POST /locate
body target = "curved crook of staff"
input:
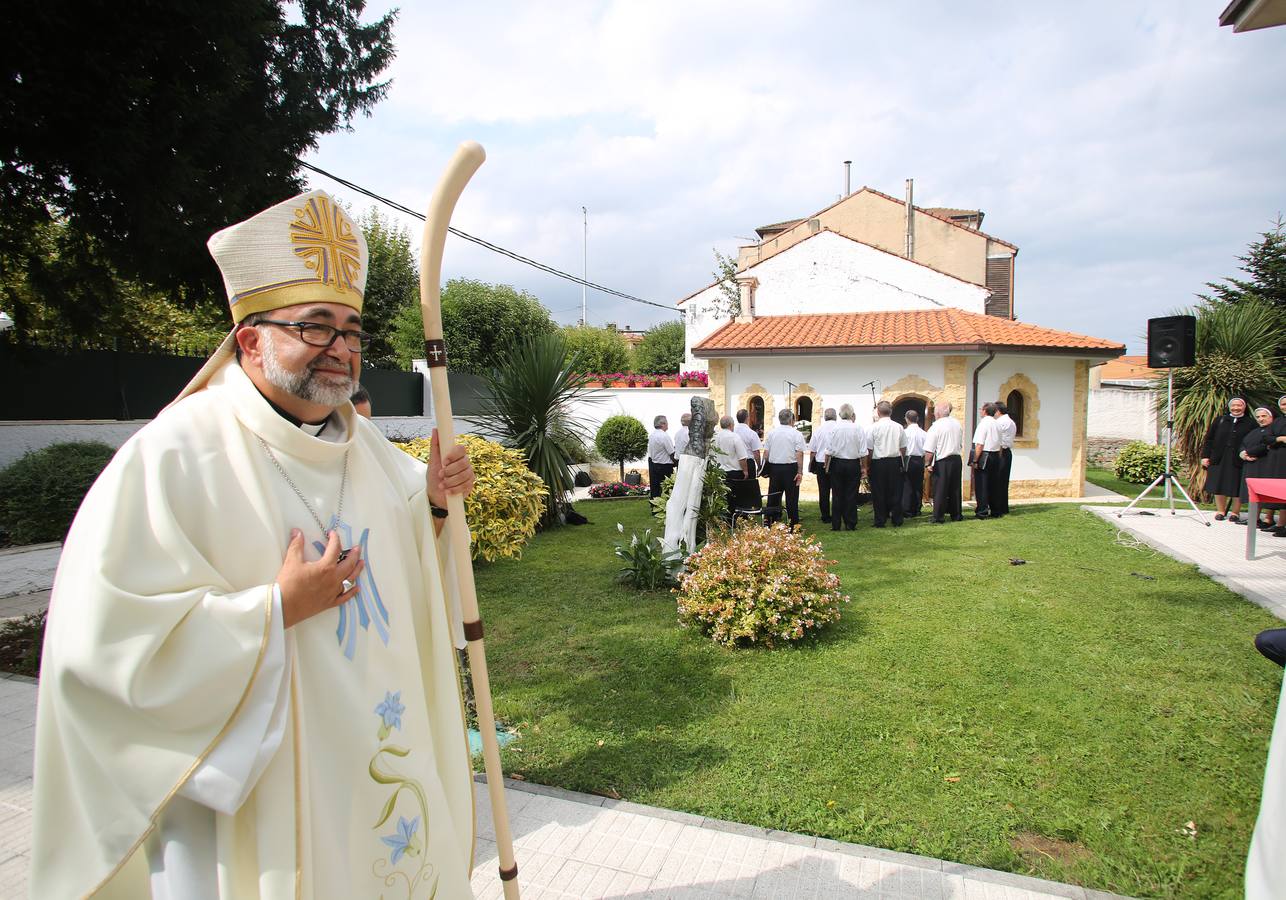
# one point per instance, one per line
(468, 157)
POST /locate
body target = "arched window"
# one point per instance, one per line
(1015, 403)
(905, 404)
(804, 409)
(756, 417)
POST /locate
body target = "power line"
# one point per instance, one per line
(495, 248)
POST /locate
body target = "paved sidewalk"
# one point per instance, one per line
(1218, 550)
(578, 846)
(24, 570)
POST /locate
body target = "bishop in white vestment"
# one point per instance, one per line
(230, 706)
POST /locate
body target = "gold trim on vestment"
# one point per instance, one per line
(299, 817)
(291, 293)
(151, 825)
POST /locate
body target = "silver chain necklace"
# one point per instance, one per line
(339, 508)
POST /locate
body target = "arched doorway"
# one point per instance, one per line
(803, 409)
(906, 403)
(755, 420)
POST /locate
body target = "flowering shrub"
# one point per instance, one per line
(617, 489)
(700, 378)
(759, 586)
(507, 501)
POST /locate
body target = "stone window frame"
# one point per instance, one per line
(804, 389)
(770, 405)
(1030, 438)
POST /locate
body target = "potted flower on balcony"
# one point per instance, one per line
(671, 380)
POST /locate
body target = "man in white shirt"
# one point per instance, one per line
(818, 466)
(784, 450)
(985, 460)
(660, 455)
(887, 446)
(942, 444)
(750, 438)
(681, 436)
(914, 486)
(1008, 430)
(731, 452)
(845, 452)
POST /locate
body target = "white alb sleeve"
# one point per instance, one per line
(230, 772)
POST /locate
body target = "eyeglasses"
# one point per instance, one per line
(315, 334)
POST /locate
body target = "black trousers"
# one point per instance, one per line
(845, 475)
(657, 473)
(1272, 643)
(887, 483)
(913, 488)
(1004, 462)
(946, 488)
(985, 477)
(823, 492)
(781, 477)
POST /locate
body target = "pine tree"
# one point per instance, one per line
(1265, 263)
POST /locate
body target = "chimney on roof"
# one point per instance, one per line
(848, 167)
(910, 218)
(746, 293)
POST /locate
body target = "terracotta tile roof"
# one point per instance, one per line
(1127, 368)
(777, 226)
(931, 329)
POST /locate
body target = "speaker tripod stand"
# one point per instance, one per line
(1170, 479)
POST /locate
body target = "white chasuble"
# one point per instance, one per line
(178, 724)
(1266, 862)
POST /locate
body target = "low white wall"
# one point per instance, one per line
(1122, 414)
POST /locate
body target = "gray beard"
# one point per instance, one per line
(304, 385)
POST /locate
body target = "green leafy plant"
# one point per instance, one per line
(661, 350)
(621, 438)
(530, 401)
(714, 501)
(41, 490)
(507, 502)
(648, 566)
(21, 640)
(759, 586)
(1141, 463)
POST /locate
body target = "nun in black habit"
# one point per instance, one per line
(1261, 459)
(1220, 457)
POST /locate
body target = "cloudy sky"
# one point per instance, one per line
(1130, 149)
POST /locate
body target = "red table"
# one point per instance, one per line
(1261, 490)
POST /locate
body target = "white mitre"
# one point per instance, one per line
(303, 250)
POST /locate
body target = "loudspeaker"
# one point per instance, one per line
(1172, 342)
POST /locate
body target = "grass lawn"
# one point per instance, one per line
(1106, 478)
(1065, 718)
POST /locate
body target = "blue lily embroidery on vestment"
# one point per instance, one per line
(405, 841)
(366, 606)
(390, 712)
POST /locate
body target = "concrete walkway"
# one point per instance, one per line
(1217, 550)
(578, 846)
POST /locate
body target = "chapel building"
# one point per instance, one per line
(876, 299)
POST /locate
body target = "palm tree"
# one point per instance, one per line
(1236, 357)
(531, 394)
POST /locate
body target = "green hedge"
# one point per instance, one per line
(1142, 463)
(41, 491)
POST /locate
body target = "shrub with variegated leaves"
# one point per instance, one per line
(759, 586)
(507, 502)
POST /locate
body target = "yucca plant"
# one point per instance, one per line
(529, 406)
(1236, 357)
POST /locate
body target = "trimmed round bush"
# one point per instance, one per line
(759, 586)
(41, 491)
(506, 504)
(621, 438)
(1142, 463)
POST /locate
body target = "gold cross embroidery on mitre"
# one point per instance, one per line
(324, 240)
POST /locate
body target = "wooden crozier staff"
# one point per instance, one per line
(468, 157)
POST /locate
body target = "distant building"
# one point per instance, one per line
(833, 309)
(1122, 407)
